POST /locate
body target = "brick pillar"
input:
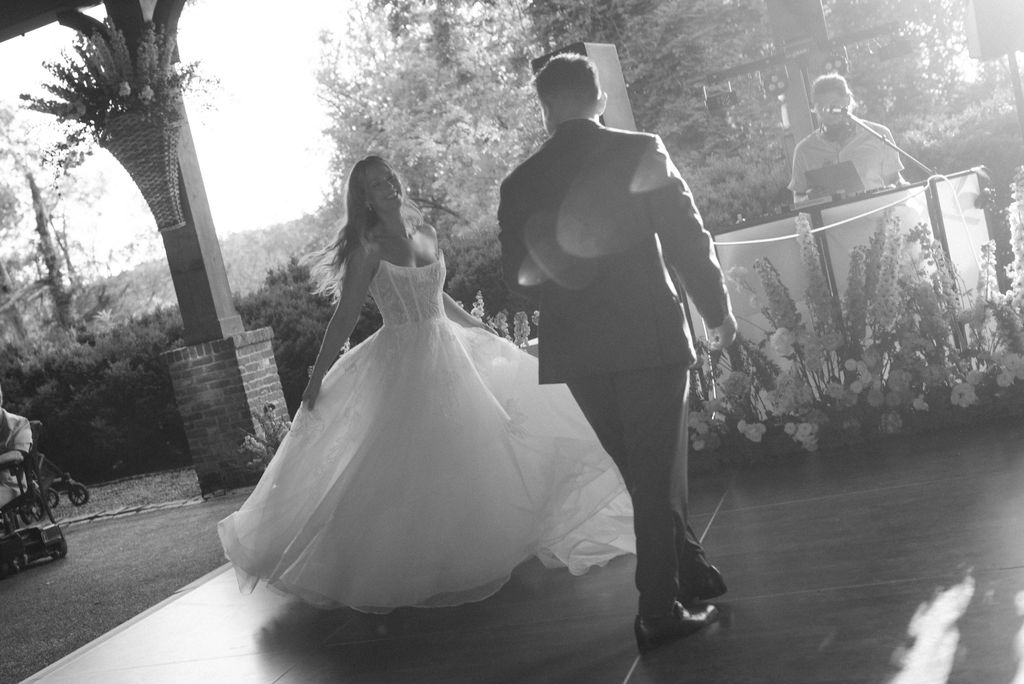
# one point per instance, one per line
(220, 387)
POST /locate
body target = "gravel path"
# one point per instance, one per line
(132, 493)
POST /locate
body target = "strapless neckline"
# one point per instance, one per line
(440, 258)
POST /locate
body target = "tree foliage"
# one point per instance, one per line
(104, 397)
(441, 90)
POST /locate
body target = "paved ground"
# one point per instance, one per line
(115, 569)
(897, 564)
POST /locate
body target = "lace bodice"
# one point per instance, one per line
(407, 294)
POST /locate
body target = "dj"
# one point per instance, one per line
(840, 139)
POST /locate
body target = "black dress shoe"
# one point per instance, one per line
(652, 632)
(706, 583)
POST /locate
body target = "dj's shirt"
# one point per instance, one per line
(877, 164)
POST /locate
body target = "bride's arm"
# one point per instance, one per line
(359, 270)
(455, 313)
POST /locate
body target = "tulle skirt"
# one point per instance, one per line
(432, 465)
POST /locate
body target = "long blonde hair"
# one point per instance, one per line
(328, 269)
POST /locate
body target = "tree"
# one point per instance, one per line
(46, 272)
(407, 80)
(21, 167)
(442, 91)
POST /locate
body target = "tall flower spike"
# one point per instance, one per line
(988, 285)
(1015, 218)
(781, 309)
(520, 329)
(885, 306)
(855, 303)
(824, 315)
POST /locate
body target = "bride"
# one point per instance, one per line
(425, 463)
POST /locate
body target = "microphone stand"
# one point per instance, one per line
(887, 142)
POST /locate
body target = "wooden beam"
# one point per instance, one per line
(167, 12)
(18, 17)
(82, 23)
(127, 16)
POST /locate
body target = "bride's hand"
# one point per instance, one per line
(311, 392)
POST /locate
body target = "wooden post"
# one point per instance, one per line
(799, 29)
(195, 259)
(1018, 91)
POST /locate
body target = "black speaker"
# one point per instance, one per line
(797, 21)
(994, 28)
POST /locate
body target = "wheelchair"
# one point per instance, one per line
(53, 480)
(28, 529)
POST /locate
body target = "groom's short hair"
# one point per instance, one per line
(569, 76)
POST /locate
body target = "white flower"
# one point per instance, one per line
(146, 94)
(805, 430)
(1005, 379)
(124, 90)
(790, 429)
(715, 405)
(963, 395)
(850, 365)
(856, 386)
(919, 403)
(782, 342)
(1014, 363)
(752, 431)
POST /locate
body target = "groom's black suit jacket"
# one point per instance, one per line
(598, 229)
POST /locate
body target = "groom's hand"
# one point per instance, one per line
(724, 335)
(311, 392)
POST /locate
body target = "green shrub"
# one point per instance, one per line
(286, 304)
(474, 265)
(104, 397)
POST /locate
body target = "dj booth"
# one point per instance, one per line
(948, 204)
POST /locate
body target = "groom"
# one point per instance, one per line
(596, 227)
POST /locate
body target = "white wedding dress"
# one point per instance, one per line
(432, 465)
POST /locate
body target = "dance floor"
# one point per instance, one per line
(905, 565)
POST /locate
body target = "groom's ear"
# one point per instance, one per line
(545, 111)
(602, 102)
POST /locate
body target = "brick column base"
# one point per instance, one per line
(220, 388)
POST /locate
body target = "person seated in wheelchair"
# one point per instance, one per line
(15, 445)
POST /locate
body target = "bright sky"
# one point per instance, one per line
(262, 154)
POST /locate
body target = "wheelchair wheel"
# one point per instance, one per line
(31, 511)
(52, 498)
(78, 494)
(60, 551)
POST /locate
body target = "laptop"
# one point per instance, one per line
(834, 179)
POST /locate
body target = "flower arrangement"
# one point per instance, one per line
(908, 348)
(260, 447)
(521, 322)
(129, 105)
(101, 80)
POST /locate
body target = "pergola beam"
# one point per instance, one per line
(18, 17)
(82, 23)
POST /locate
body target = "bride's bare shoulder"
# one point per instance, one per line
(366, 256)
(426, 230)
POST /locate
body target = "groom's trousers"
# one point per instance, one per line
(640, 418)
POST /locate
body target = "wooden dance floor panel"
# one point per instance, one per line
(904, 565)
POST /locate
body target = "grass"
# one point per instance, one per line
(142, 490)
